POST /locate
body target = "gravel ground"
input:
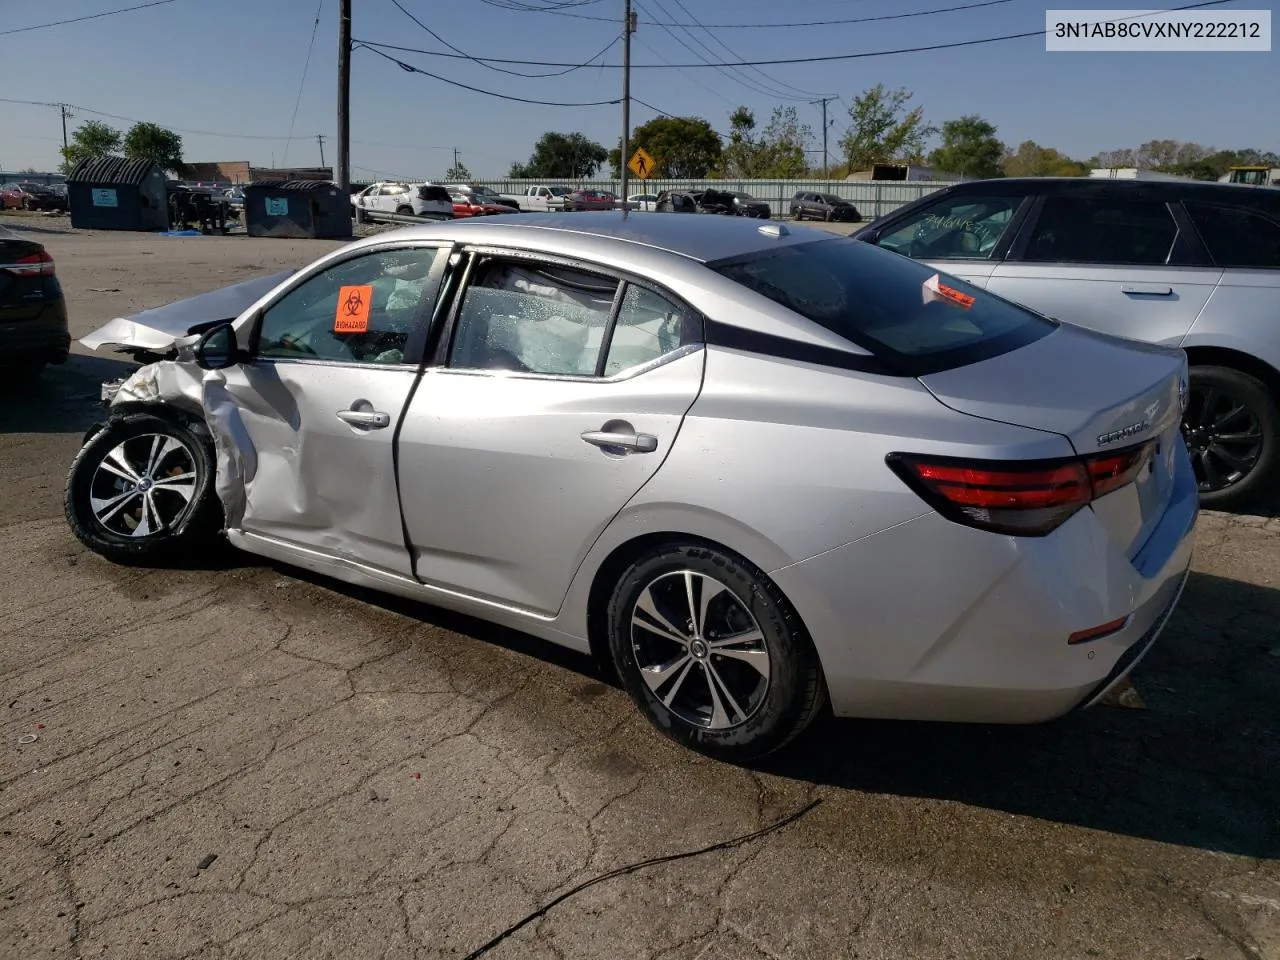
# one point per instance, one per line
(240, 761)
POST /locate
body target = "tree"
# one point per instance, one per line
(561, 156)
(680, 146)
(91, 139)
(970, 148)
(777, 152)
(150, 141)
(458, 173)
(1033, 160)
(881, 132)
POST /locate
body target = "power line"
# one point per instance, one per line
(116, 116)
(673, 116)
(92, 16)
(733, 74)
(409, 68)
(481, 60)
(301, 86)
(733, 53)
(829, 58)
(803, 23)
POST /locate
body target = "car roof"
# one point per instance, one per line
(1207, 191)
(705, 239)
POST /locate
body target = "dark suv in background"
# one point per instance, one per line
(1189, 264)
(806, 205)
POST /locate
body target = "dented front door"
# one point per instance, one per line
(333, 363)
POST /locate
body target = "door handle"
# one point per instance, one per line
(372, 419)
(638, 442)
(1149, 289)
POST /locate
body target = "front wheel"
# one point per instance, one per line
(712, 652)
(141, 490)
(1232, 429)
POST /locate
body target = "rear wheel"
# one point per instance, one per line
(712, 653)
(1232, 429)
(141, 490)
(405, 211)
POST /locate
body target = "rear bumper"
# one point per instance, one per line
(932, 620)
(43, 338)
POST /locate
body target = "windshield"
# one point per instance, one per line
(901, 310)
(560, 191)
(744, 196)
(831, 198)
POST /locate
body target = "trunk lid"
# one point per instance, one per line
(23, 292)
(1102, 393)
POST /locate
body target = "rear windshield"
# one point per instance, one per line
(434, 193)
(888, 304)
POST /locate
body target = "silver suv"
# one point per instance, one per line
(1195, 265)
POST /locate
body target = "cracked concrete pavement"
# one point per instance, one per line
(242, 761)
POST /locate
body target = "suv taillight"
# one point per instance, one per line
(1028, 498)
(33, 265)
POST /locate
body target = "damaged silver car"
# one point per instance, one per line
(729, 458)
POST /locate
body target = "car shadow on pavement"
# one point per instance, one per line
(1194, 764)
(24, 225)
(65, 398)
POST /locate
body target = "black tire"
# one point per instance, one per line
(405, 211)
(796, 215)
(827, 215)
(182, 529)
(1251, 436)
(762, 712)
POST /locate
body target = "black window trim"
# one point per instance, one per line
(446, 329)
(415, 347)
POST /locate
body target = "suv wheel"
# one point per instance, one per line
(1232, 430)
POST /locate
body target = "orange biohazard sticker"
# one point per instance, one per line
(934, 289)
(352, 314)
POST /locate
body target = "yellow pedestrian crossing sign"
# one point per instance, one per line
(641, 164)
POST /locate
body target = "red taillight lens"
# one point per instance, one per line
(1028, 498)
(33, 265)
(1113, 470)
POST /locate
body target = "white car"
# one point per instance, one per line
(406, 199)
(648, 202)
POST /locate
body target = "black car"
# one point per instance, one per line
(722, 202)
(33, 312)
(806, 205)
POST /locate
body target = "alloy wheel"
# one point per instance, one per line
(700, 650)
(1223, 436)
(143, 486)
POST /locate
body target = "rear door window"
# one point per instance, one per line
(1110, 231)
(1235, 237)
(903, 311)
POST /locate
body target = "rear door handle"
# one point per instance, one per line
(371, 419)
(639, 442)
(1149, 289)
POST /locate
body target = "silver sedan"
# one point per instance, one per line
(752, 467)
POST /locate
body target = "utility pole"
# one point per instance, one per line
(320, 140)
(344, 96)
(824, 101)
(64, 130)
(455, 160)
(628, 28)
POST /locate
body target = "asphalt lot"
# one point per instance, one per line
(240, 761)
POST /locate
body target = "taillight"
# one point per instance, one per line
(33, 265)
(1029, 498)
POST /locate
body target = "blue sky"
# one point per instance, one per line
(234, 68)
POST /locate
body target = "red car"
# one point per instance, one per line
(590, 200)
(468, 205)
(31, 196)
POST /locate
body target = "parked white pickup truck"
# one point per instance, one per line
(540, 198)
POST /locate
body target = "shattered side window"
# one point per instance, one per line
(532, 318)
(361, 310)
